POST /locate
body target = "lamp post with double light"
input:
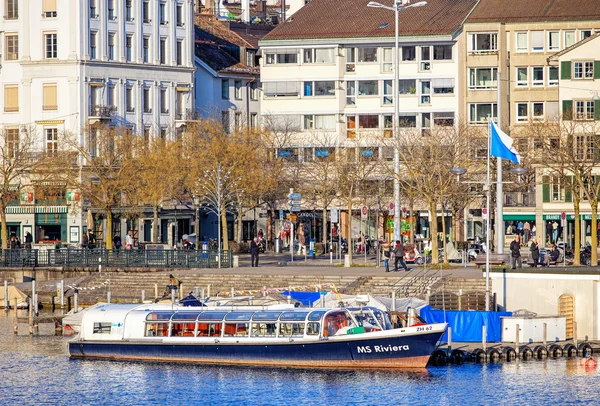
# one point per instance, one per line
(196, 199)
(398, 6)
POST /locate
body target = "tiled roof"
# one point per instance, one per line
(353, 19)
(208, 28)
(535, 11)
(220, 61)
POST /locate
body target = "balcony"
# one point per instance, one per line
(519, 199)
(98, 113)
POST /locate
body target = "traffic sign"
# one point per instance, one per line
(391, 209)
(484, 213)
(563, 216)
(335, 216)
(295, 196)
(281, 214)
(363, 212)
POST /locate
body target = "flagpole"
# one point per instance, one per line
(487, 234)
(499, 191)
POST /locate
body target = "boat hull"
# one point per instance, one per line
(412, 351)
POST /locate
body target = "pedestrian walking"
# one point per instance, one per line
(129, 241)
(254, 252)
(399, 257)
(387, 255)
(28, 240)
(515, 253)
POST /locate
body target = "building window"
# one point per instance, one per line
(146, 49)
(569, 38)
(366, 54)
(553, 41)
(537, 41)
(368, 88)
(146, 12)
(147, 100)
(350, 59)
(584, 110)
(250, 57)
(237, 121)
(442, 52)
(11, 99)
(12, 47)
(49, 8)
(179, 49)
(93, 9)
(407, 86)
(483, 78)
(522, 112)
(162, 13)
(538, 110)
(318, 55)
(50, 97)
(225, 120)
(146, 134)
(521, 41)
(387, 64)
(237, 89)
(111, 46)
(319, 88)
(164, 103)
(445, 119)
(12, 10)
(319, 122)
(51, 46)
(225, 89)
(407, 120)
(163, 51)
(51, 141)
(537, 76)
(425, 92)
(129, 102)
(480, 112)
(281, 56)
(409, 53)
(111, 10)
(111, 96)
(280, 89)
(443, 86)
(583, 70)
(388, 92)
(585, 33)
(552, 111)
(253, 120)
(483, 42)
(552, 75)
(253, 90)
(179, 15)
(351, 93)
(128, 11)
(12, 141)
(93, 45)
(522, 77)
(425, 58)
(163, 132)
(128, 44)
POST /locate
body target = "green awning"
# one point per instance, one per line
(508, 217)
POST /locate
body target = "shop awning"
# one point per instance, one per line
(513, 216)
(569, 216)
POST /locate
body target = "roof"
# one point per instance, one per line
(572, 47)
(209, 29)
(515, 11)
(219, 60)
(353, 19)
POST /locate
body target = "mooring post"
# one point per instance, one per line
(208, 290)
(575, 333)
(156, 290)
(6, 304)
(62, 294)
(196, 292)
(544, 333)
(31, 318)
(393, 300)
(449, 340)
(16, 302)
(172, 296)
(16, 326)
(517, 342)
(143, 295)
(484, 337)
(33, 296)
(181, 290)
(108, 297)
(232, 292)
(76, 301)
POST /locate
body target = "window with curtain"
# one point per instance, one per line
(12, 47)
(537, 41)
(521, 42)
(50, 97)
(407, 86)
(442, 52)
(280, 89)
(553, 41)
(11, 99)
(49, 8)
(569, 38)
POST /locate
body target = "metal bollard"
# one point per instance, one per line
(264, 291)
(6, 304)
(197, 292)
(484, 337)
(393, 300)
(544, 334)
(173, 296)
(62, 294)
(143, 295)
(232, 292)
(449, 340)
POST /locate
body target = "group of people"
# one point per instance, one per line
(15, 241)
(534, 249)
(395, 253)
(117, 244)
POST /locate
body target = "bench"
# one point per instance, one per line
(492, 263)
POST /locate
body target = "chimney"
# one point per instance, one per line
(245, 11)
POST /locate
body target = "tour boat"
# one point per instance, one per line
(280, 335)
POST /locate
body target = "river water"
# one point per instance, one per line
(37, 370)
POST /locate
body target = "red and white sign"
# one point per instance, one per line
(484, 213)
(563, 216)
(364, 212)
(391, 209)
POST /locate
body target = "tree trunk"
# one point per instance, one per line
(577, 243)
(433, 231)
(349, 230)
(239, 223)
(5, 242)
(594, 230)
(155, 225)
(108, 231)
(444, 234)
(224, 233)
(324, 225)
(410, 221)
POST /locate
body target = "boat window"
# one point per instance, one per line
(182, 329)
(185, 316)
(293, 316)
(383, 319)
(209, 329)
(291, 330)
(241, 316)
(236, 329)
(212, 316)
(366, 319)
(264, 329)
(165, 316)
(157, 330)
(102, 327)
(336, 321)
(316, 316)
(266, 316)
(313, 329)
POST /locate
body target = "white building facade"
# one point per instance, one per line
(69, 64)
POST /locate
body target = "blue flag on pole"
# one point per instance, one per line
(502, 145)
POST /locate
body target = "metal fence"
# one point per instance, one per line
(116, 258)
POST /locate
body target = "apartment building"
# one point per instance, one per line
(68, 65)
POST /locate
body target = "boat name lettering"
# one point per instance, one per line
(367, 349)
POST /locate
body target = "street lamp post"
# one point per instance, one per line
(196, 199)
(399, 5)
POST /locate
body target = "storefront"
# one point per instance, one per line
(555, 232)
(522, 225)
(51, 227)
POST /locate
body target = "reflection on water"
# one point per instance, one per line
(37, 370)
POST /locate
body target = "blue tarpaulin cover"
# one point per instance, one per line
(466, 324)
(306, 298)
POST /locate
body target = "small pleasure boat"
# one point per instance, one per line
(279, 335)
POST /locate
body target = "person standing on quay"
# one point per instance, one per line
(399, 257)
(515, 253)
(535, 252)
(254, 252)
(129, 241)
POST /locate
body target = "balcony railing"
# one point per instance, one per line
(519, 199)
(102, 111)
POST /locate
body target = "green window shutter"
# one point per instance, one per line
(565, 70)
(568, 191)
(546, 189)
(596, 109)
(567, 110)
(596, 69)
